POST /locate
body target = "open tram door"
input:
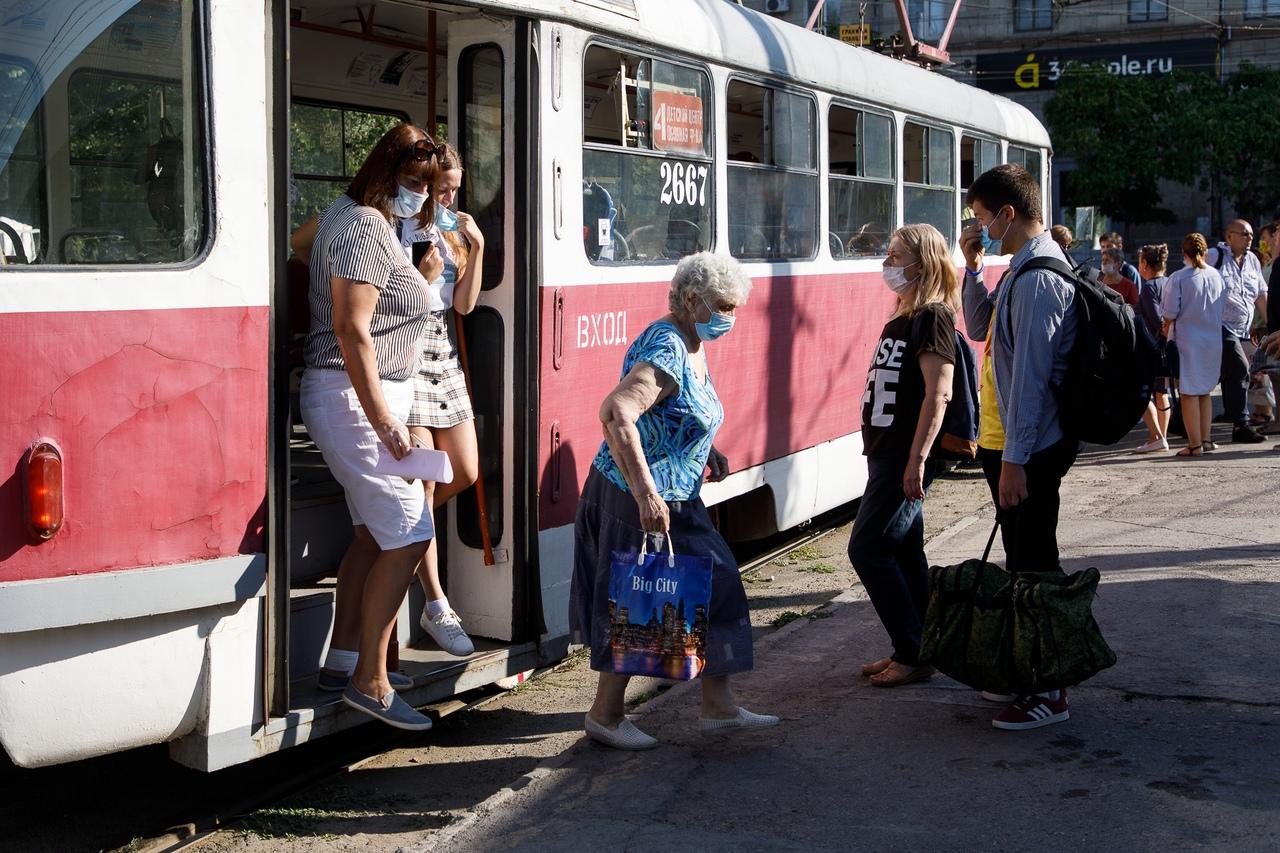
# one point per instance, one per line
(339, 76)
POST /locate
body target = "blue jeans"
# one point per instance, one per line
(887, 551)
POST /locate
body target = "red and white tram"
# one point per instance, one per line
(168, 536)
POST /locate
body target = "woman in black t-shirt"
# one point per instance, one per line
(908, 386)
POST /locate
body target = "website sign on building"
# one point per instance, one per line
(1039, 70)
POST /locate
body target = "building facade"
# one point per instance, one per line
(1018, 48)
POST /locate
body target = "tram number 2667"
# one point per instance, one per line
(683, 183)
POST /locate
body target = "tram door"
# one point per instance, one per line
(481, 559)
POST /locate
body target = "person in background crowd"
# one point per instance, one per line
(659, 424)
(1113, 240)
(1245, 290)
(1030, 344)
(1063, 237)
(908, 386)
(1266, 247)
(1112, 263)
(1192, 304)
(1152, 261)
(368, 309)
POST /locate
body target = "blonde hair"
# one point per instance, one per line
(447, 160)
(1195, 247)
(937, 282)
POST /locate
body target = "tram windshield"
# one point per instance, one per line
(100, 142)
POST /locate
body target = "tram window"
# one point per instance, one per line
(772, 175)
(327, 145)
(648, 181)
(976, 156)
(1028, 158)
(483, 151)
(928, 174)
(22, 206)
(861, 186)
(121, 105)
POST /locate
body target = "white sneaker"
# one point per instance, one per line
(625, 736)
(446, 630)
(1153, 446)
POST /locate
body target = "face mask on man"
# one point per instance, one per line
(896, 277)
(718, 326)
(407, 202)
(991, 245)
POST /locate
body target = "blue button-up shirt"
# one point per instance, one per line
(1033, 336)
(1244, 283)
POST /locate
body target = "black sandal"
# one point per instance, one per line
(1191, 450)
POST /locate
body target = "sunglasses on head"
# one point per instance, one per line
(423, 150)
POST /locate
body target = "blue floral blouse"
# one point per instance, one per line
(676, 433)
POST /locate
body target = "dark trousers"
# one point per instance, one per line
(887, 551)
(1234, 379)
(1029, 531)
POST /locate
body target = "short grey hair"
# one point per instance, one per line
(1113, 254)
(709, 277)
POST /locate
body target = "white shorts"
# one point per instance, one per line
(392, 508)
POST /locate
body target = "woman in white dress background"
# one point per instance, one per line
(1191, 305)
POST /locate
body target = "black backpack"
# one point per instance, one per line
(1112, 364)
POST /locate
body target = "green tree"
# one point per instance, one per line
(1128, 133)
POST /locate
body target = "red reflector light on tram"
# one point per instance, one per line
(42, 495)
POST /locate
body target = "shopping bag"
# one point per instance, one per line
(658, 609)
(1005, 634)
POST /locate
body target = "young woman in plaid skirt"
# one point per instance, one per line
(441, 416)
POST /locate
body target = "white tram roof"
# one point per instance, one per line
(723, 32)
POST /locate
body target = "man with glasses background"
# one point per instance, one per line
(1245, 290)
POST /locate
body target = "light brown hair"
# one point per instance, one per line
(447, 160)
(1156, 257)
(1195, 247)
(937, 280)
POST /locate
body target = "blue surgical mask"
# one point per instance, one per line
(446, 219)
(992, 246)
(407, 203)
(718, 326)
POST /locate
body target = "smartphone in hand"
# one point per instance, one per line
(420, 250)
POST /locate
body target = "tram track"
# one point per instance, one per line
(333, 763)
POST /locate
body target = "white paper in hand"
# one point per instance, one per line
(420, 464)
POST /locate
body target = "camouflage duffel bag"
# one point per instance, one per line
(986, 629)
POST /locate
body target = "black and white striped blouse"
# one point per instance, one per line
(356, 242)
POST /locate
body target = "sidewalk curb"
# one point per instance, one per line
(551, 766)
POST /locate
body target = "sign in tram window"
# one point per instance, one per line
(101, 148)
(976, 156)
(327, 145)
(928, 175)
(861, 186)
(1027, 158)
(647, 189)
(772, 175)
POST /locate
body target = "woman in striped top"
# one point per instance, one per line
(441, 416)
(369, 308)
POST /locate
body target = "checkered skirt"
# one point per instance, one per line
(439, 390)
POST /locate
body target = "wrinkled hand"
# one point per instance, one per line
(432, 265)
(1271, 344)
(1013, 485)
(717, 465)
(971, 246)
(395, 436)
(467, 228)
(913, 481)
(655, 517)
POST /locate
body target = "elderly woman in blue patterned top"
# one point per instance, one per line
(659, 425)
